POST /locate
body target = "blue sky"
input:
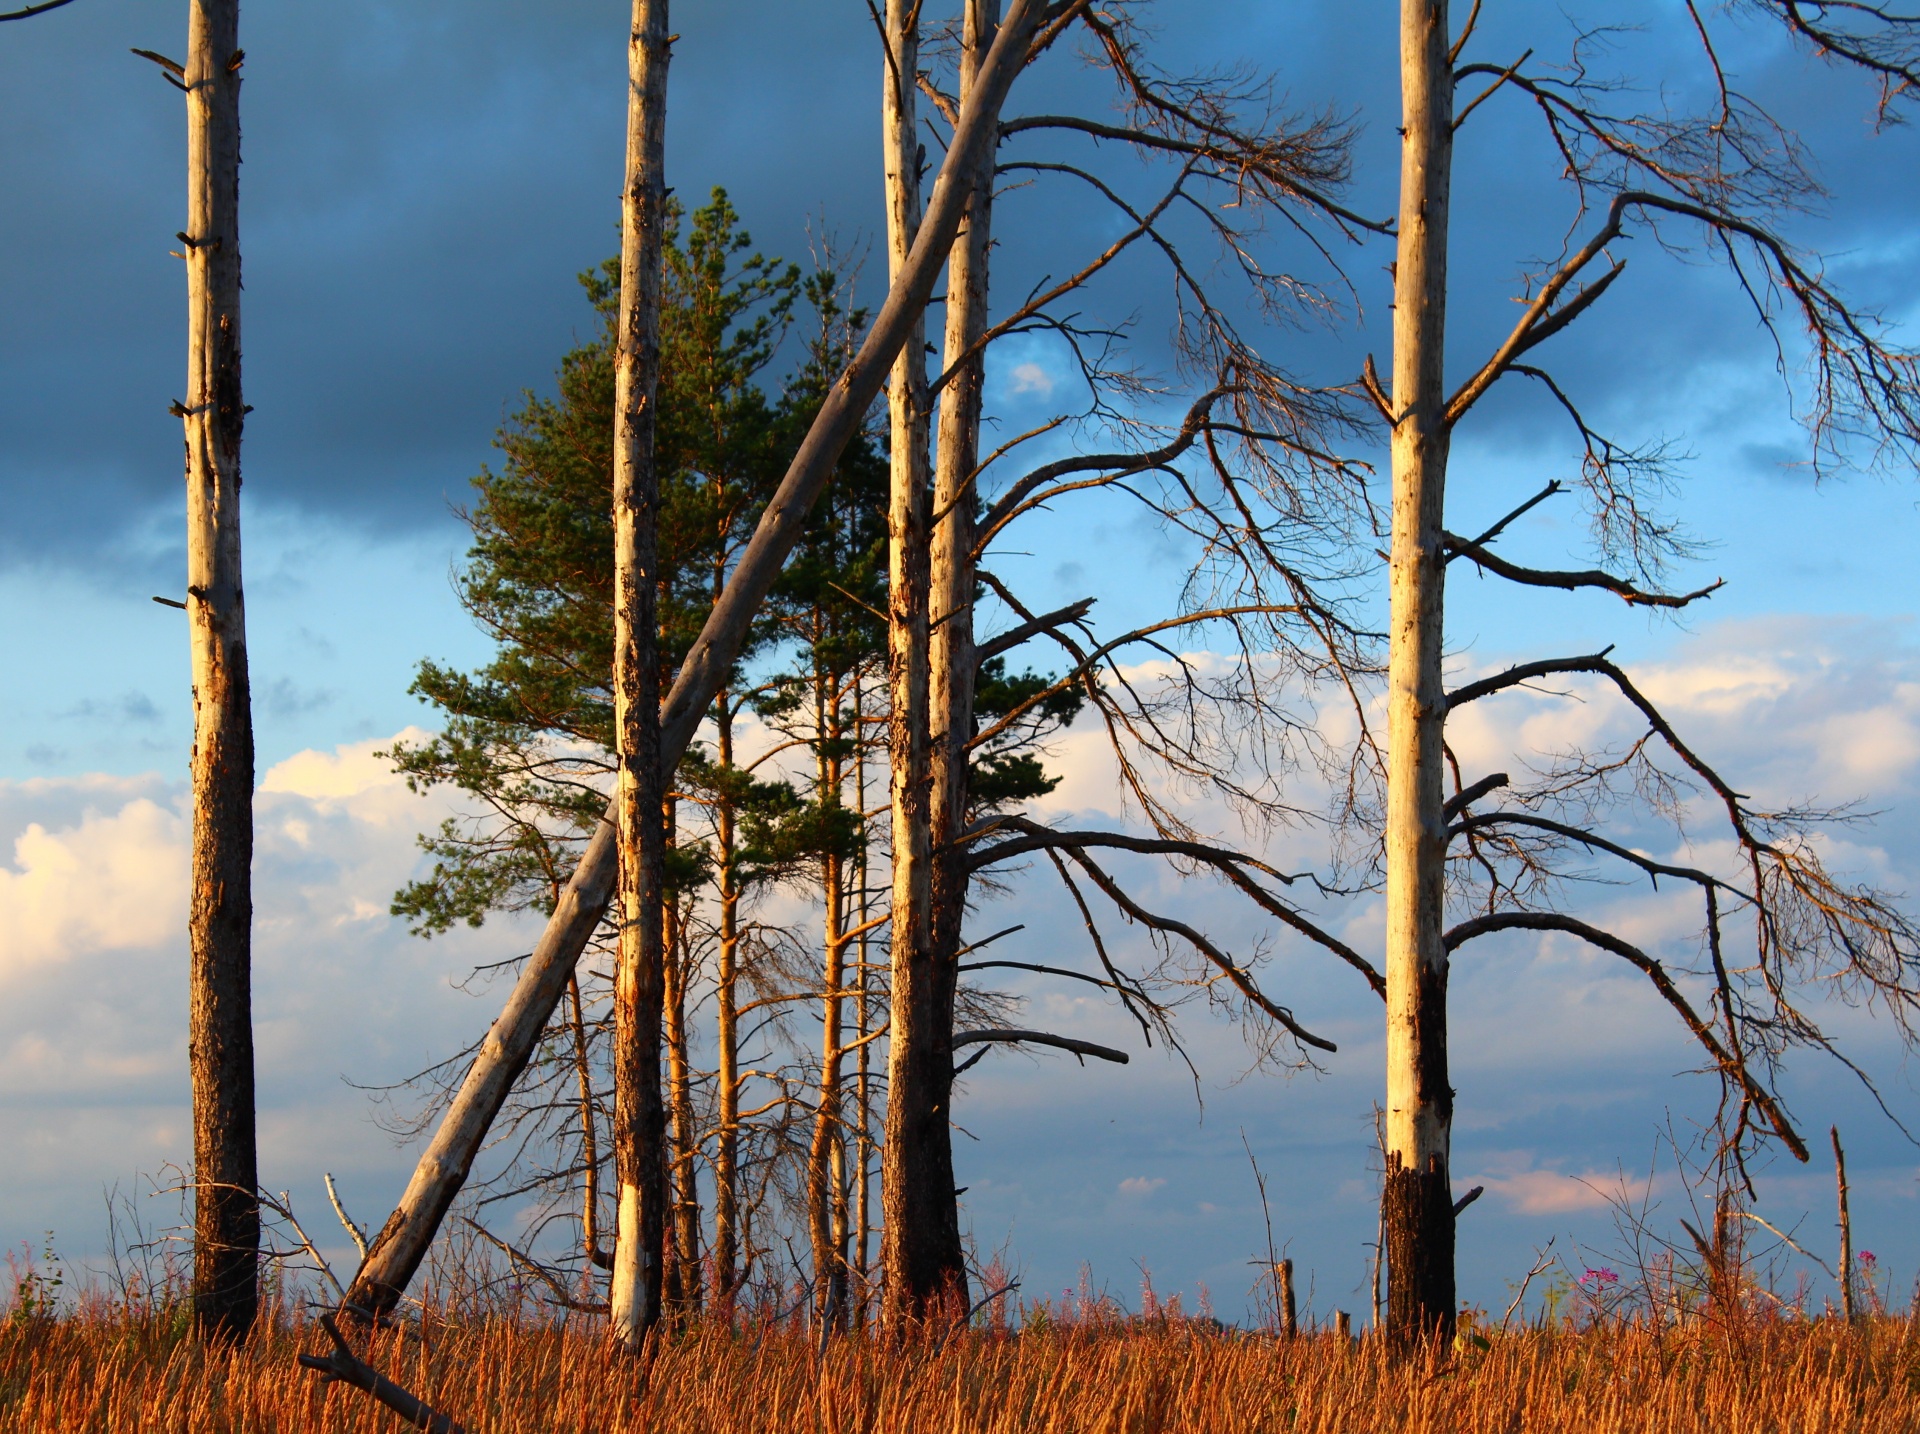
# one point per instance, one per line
(422, 183)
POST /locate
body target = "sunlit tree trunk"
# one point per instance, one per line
(226, 1229)
(395, 1254)
(1418, 1214)
(862, 1028)
(726, 1154)
(589, 1131)
(826, 1202)
(953, 658)
(917, 1161)
(686, 1273)
(640, 1123)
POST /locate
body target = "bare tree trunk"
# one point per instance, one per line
(443, 1167)
(640, 1117)
(863, 1026)
(687, 1281)
(1846, 1227)
(1417, 1193)
(226, 1224)
(825, 1187)
(589, 1134)
(916, 1187)
(726, 1155)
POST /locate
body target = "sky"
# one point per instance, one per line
(422, 183)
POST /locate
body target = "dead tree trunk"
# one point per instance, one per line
(1846, 1227)
(1417, 1195)
(826, 1156)
(589, 1133)
(863, 1027)
(226, 1224)
(640, 1131)
(921, 1270)
(726, 1153)
(685, 1287)
(936, 1266)
(443, 1167)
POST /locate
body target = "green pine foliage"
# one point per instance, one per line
(528, 736)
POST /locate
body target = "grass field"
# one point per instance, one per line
(103, 1369)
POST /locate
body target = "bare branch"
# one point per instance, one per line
(1732, 1066)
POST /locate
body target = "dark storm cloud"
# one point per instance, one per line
(423, 180)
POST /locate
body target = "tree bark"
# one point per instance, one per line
(826, 1183)
(1846, 1227)
(919, 1241)
(443, 1167)
(726, 1153)
(226, 1228)
(863, 1026)
(1417, 1194)
(640, 1115)
(686, 1287)
(928, 1266)
(589, 1131)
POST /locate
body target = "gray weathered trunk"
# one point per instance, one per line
(640, 1129)
(1418, 1199)
(919, 1239)
(226, 1230)
(443, 1167)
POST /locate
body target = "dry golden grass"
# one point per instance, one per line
(103, 1370)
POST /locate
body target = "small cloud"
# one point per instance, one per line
(127, 707)
(1778, 461)
(1548, 1192)
(282, 699)
(346, 771)
(1028, 378)
(41, 755)
(1140, 1185)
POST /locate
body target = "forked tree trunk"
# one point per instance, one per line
(1417, 1195)
(952, 663)
(640, 1129)
(916, 1186)
(226, 1222)
(443, 1167)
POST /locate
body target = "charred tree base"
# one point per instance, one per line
(1417, 1222)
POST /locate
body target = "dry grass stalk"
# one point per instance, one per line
(105, 1369)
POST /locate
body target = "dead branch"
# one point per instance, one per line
(1046, 622)
(1732, 1065)
(1486, 561)
(1012, 1037)
(348, 1368)
(354, 1232)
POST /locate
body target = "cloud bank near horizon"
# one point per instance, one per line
(1564, 1061)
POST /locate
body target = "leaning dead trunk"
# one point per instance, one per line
(640, 1130)
(226, 1226)
(443, 1167)
(1417, 1196)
